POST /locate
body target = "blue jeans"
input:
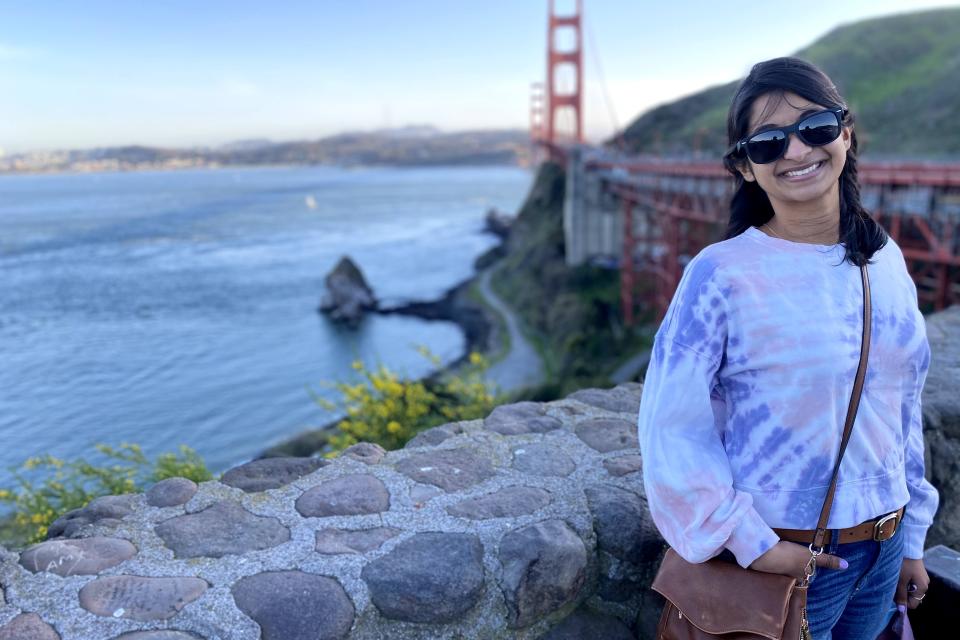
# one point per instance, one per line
(855, 603)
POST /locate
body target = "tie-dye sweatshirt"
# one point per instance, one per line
(746, 394)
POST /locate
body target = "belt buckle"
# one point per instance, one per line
(878, 532)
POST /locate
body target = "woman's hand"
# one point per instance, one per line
(790, 558)
(912, 572)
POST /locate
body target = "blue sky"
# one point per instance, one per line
(177, 73)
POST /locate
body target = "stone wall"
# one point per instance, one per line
(529, 524)
(941, 424)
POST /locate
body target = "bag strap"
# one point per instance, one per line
(851, 409)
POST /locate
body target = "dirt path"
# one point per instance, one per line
(521, 367)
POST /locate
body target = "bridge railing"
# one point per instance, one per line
(670, 210)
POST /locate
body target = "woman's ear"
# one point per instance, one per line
(746, 171)
(846, 133)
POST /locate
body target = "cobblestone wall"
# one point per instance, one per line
(527, 524)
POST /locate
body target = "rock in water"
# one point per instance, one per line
(498, 222)
(348, 294)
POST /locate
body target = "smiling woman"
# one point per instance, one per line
(745, 402)
(799, 173)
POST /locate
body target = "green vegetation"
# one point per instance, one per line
(384, 409)
(50, 487)
(897, 72)
(571, 315)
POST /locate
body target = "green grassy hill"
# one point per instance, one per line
(900, 74)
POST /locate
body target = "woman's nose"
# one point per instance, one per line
(797, 149)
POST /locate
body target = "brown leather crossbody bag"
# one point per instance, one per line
(718, 598)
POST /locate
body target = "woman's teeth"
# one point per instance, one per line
(803, 172)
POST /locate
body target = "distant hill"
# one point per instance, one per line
(418, 145)
(900, 75)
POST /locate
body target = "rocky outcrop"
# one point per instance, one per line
(455, 306)
(941, 424)
(348, 295)
(528, 524)
(498, 222)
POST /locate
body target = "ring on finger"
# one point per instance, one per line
(918, 598)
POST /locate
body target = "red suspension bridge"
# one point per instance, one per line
(648, 216)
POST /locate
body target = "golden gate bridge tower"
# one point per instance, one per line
(557, 114)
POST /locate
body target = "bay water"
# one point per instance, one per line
(168, 308)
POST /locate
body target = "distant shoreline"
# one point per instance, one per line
(391, 148)
(219, 167)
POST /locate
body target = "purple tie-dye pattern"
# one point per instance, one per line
(770, 445)
(816, 473)
(743, 424)
(747, 388)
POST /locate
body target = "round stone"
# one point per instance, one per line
(508, 502)
(83, 556)
(431, 577)
(159, 634)
(332, 541)
(102, 510)
(542, 460)
(294, 605)
(587, 624)
(349, 495)
(435, 435)
(622, 465)
(271, 473)
(171, 492)
(544, 568)
(222, 528)
(140, 598)
(449, 469)
(608, 434)
(615, 400)
(623, 525)
(620, 588)
(28, 626)
(420, 494)
(520, 417)
(366, 452)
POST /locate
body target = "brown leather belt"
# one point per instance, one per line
(878, 529)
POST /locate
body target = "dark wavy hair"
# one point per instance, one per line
(862, 235)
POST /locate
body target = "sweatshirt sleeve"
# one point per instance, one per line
(686, 473)
(924, 498)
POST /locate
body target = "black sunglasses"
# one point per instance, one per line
(815, 130)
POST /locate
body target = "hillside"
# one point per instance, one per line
(899, 73)
(406, 146)
(572, 315)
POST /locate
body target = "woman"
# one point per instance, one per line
(748, 384)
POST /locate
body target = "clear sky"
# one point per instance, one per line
(77, 74)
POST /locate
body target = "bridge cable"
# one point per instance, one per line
(611, 112)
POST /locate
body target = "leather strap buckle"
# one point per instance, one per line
(881, 531)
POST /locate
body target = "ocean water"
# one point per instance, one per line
(168, 308)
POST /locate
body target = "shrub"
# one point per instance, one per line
(389, 411)
(50, 487)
